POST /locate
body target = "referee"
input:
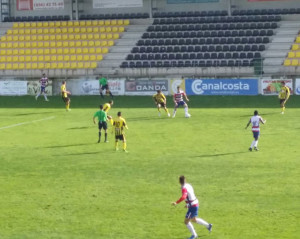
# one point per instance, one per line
(104, 86)
(102, 124)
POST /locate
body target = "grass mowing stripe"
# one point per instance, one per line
(28, 122)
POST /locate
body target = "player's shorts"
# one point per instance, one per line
(120, 137)
(104, 87)
(43, 89)
(66, 99)
(161, 104)
(281, 101)
(179, 103)
(192, 212)
(102, 125)
(256, 134)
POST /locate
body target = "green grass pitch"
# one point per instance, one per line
(57, 182)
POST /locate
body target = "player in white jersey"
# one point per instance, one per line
(178, 100)
(44, 83)
(193, 206)
(255, 121)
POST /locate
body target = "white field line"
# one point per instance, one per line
(28, 122)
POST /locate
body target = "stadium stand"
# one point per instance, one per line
(58, 44)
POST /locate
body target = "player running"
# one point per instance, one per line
(161, 101)
(283, 96)
(193, 206)
(120, 124)
(178, 100)
(102, 118)
(44, 83)
(103, 85)
(64, 94)
(255, 121)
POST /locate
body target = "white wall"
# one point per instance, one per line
(245, 4)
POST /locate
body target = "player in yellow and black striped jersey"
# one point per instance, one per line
(283, 96)
(119, 125)
(106, 107)
(161, 101)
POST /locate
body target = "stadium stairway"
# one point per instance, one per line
(280, 45)
(112, 61)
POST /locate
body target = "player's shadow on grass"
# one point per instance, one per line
(217, 155)
(274, 113)
(84, 127)
(87, 153)
(146, 118)
(65, 146)
(33, 113)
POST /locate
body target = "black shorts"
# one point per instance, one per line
(104, 87)
(281, 101)
(120, 137)
(66, 99)
(162, 104)
(102, 125)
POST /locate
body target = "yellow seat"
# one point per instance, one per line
(110, 43)
(40, 37)
(77, 36)
(89, 30)
(30, 31)
(85, 50)
(65, 44)
(9, 38)
(70, 30)
(92, 57)
(72, 50)
(15, 52)
(46, 31)
(67, 65)
(53, 65)
(15, 45)
(126, 22)
(53, 51)
(15, 25)
(47, 58)
(69, 23)
(21, 52)
(22, 31)
(78, 43)
(46, 44)
(83, 36)
(80, 65)
(87, 64)
(73, 58)
(107, 22)
(120, 22)
(295, 62)
(57, 30)
(60, 58)
(34, 65)
(2, 52)
(76, 23)
(90, 36)
(33, 24)
(79, 58)
(78, 51)
(113, 22)
(3, 59)
(94, 23)
(9, 52)
(77, 30)
(15, 38)
(82, 23)
(28, 58)
(52, 31)
(58, 37)
(64, 30)
(116, 36)
(46, 37)
(64, 24)
(21, 66)
(82, 30)
(41, 65)
(298, 40)
(71, 43)
(28, 66)
(98, 43)
(108, 29)
(66, 50)
(60, 65)
(109, 36)
(101, 23)
(39, 31)
(287, 62)
(15, 59)
(71, 36)
(51, 24)
(34, 44)
(93, 65)
(57, 24)
(115, 29)
(45, 24)
(12, 32)
(47, 65)
(73, 65)
(9, 45)
(34, 51)
(2, 66)
(99, 57)
(3, 38)
(66, 57)
(40, 52)
(95, 29)
(53, 58)
(59, 44)
(65, 37)
(15, 66)
(59, 50)
(291, 54)
(92, 50)
(88, 23)
(21, 58)
(39, 24)
(97, 36)
(84, 43)
(40, 44)
(47, 51)
(41, 58)
(27, 51)
(295, 47)
(91, 44)
(103, 36)
(27, 38)
(27, 24)
(52, 37)
(34, 58)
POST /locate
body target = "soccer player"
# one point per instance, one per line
(283, 96)
(64, 94)
(106, 107)
(193, 206)
(44, 83)
(255, 121)
(160, 101)
(104, 86)
(120, 124)
(178, 100)
(102, 118)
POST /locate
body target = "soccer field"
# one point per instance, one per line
(57, 182)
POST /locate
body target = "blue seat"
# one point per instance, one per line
(124, 64)
(146, 64)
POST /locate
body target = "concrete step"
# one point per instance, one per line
(120, 49)
(115, 56)
(278, 46)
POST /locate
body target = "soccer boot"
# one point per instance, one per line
(193, 237)
(169, 115)
(36, 97)
(46, 100)
(210, 227)
(106, 141)
(256, 149)
(250, 149)
(98, 141)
